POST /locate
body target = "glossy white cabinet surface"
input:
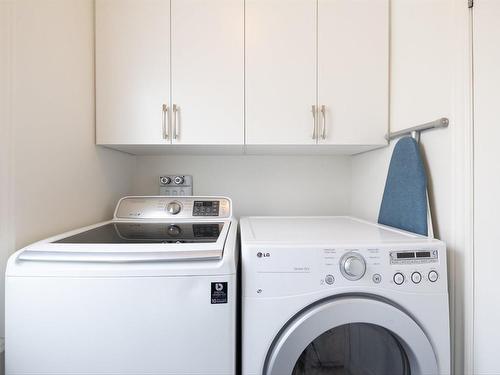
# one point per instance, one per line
(132, 70)
(208, 71)
(280, 53)
(353, 69)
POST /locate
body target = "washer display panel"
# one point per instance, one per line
(351, 335)
(356, 348)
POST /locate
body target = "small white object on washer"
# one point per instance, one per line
(152, 291)
(339, 295)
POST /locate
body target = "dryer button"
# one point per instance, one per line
(433, 276)
(416, 277)
(377, 278)
(329, 279)
(399, 278)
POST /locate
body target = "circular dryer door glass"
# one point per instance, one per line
(356, 348)
(358, 335)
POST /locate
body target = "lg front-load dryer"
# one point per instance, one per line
(152, 291)
(341, 296)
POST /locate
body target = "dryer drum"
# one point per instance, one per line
(351, 335)
(356, 348)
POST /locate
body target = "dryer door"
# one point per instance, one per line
(351, 335)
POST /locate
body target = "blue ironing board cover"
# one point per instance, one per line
(404, 203)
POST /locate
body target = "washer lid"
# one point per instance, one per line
(142, 233)
(122, 242)
(329, 229)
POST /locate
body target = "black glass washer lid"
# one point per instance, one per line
(144, 233)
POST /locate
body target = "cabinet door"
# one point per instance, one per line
(132, 70)
(353, 63)
(208, 71)
(280, 71)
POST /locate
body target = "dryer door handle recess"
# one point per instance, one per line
(410, 353)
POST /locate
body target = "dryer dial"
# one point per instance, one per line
(352, 266)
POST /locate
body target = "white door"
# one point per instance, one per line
(352, 335)
(280, 54)
(132, 71)
(208, 71)
(353, 67)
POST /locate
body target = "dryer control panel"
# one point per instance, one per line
(195, 208)
(423, 265)
(284, 271)
(417, 269)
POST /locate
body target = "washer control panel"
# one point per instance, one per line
(132, 208)
(206, 208)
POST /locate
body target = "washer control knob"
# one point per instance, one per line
(178, 180)
(329, 279)
(174, 208)
(433, 276)
(416, 277)
(174, 230)
(352, 266)
(399, 278)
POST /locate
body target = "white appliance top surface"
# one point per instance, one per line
(328, 229)
(145, 229)
(199, 240)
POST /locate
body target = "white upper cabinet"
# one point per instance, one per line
(280, 53)
(170, 72)
(317, 72)
(353, 68)
(208, 72)
(132, 70)
(265, 73)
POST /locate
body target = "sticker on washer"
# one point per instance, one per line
(218, 293)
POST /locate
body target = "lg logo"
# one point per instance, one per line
(219, 287)
(260, 254)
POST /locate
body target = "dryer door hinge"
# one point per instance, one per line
(471, 3)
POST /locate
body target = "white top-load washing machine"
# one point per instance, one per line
(337, 295)
(152, 291)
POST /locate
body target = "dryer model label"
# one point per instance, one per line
(218, 293)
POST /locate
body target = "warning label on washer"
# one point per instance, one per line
(218, 293)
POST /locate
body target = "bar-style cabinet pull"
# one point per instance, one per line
(164, 121)
(313, 109)
(323, 114)
(175, 109)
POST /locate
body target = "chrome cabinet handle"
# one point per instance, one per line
(323, 113)
(175, 109)
(164, 121)
(313, 109)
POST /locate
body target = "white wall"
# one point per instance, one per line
(428, 81)
(6, 157)
(259, 185)
(487, 185)
(61, 179)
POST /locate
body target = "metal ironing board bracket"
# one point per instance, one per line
(415, 131)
